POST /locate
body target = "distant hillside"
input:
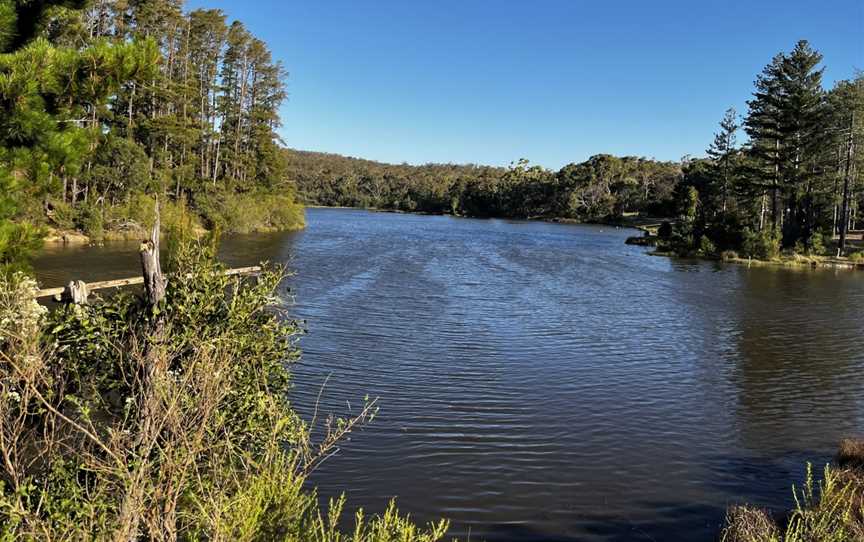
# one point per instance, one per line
(599, 188)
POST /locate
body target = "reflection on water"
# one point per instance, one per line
(547, 382)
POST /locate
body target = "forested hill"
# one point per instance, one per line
(602, 187)
(107, 104)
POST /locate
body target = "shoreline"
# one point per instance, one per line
(793, 262)
(74, 238)
(647, 225)
(644, 224)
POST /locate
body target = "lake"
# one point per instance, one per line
(545, 381)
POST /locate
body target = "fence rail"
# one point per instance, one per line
(77, 291)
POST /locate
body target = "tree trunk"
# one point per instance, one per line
(844, 213)
(154, 281)
(150, 376)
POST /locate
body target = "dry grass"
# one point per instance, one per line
(748, 524)
(831, 510)
(851, 453)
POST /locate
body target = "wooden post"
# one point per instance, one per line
(154, 281)
(152, 371)
(77, 292)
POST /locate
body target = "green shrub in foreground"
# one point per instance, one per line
(118, 421)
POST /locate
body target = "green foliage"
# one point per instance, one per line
(764, 245)
(602, 187)
(706, 247)
(831, 510)
(95, 114)
(91, 221)
(174, 421)
(245, 213)
(17, 243)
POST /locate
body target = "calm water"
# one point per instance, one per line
(547, 382)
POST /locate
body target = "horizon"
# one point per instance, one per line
(466, 84)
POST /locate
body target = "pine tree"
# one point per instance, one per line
(846, 130)
(802, 130)
(763, 127)
(723, 151)
(784, 125)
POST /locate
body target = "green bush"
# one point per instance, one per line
(706, 247)
(91, 222)
(762, 245)
(63, 216)
(252, 212)
(816, 244)
(125, 421)
(18, 242)
(665, 230)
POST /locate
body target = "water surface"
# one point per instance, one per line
(548, 382)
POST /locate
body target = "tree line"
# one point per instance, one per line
(785, 176)
(793, 183)
(104, 101)
(598, 189)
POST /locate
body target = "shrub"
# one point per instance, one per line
(91, 222)
(706, 247)
(63, 216)
(725, 231)
(749, 524)
(832, 510)
(123, 421)
(762, 245)
(665, 230)
(18, 242)
(136, 216)
(252, 212)
(851, 453)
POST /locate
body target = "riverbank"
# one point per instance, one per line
(791, 260)
(829, 509)
(645, 224)
(77, 238)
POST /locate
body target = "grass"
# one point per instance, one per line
(831, 510)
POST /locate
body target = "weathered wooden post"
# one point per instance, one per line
(154, 281)
(152, 371)
(76, 292)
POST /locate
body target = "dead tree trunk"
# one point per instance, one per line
(151, 375)
(154, 281)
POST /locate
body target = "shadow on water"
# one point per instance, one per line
(58, 264)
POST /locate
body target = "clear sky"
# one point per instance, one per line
(554, 81)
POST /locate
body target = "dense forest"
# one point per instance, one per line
(602, 187)
(792, 182)
(107, 103)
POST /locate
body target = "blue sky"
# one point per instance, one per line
(554, 81)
